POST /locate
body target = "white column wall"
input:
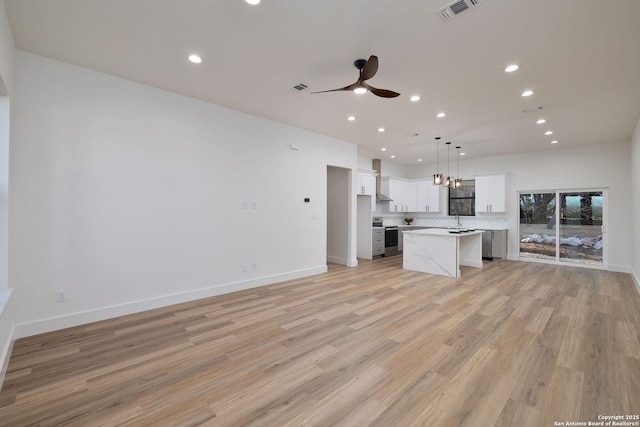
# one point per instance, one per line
(635, 208)
(128, 197)
(7, 52)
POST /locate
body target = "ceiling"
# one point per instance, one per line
(579, 56)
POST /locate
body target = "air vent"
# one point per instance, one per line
(533, 110)
(457, 7)
(300, 87)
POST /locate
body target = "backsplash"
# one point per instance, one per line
(419, 219)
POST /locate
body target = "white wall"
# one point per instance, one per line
(128, 197)
(597, 166)
(7, 50)
(635, 208)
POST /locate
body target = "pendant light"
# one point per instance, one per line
(458, 182)
(437, 177)
(448, 182)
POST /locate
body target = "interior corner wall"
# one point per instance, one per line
(635, 208)
(128, 197)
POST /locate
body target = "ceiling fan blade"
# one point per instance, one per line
(350, 87)
(370, 68)
(384, 93)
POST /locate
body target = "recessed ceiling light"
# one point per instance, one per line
(527, 93)
(383, 149)
(463, 154)
(419, 160)
(549, 132)
(414, 98)
(351, 118)
(511, 68)
(555, 141)
(195, 59)
(253, 2)
(440, 115)
(393, 156)
(541, 121)
(380, 129)
(360, 90)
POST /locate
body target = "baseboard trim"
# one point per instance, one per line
(7, 331)
(82, 318)
(5, 356)
(636, 280)
(337, 260)
(619, 268)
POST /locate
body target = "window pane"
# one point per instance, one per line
(581, 227)
(537, 225)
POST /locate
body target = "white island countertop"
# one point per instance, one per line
(444, 232)
(438, 251)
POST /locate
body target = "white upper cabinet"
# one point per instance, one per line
(411, 195)
(395, 189)
(428, 196)
(366, 184)
(490, 193)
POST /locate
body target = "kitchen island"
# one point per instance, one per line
(438, 251)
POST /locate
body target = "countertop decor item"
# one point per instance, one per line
(408, 220)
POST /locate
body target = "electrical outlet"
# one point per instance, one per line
(61, 296)
(254, 266)
(245, 267)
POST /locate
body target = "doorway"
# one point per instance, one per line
(566, 227)
(338, 211)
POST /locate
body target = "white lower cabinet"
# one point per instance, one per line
(377, 243)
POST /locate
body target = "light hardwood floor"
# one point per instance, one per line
(512, 344)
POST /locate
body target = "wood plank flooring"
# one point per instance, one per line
(512, 344)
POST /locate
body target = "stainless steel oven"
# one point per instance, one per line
(391, 241)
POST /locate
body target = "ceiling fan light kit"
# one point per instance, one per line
(367, 68)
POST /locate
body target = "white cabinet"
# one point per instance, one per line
(366, 184)
(377, 247)
(427, 196)
(395, 189)
(410, 196)
(490, 193)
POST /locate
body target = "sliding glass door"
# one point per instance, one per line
(563, 226)
(537, 225)
(580, 227)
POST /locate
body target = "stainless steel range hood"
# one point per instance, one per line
(377, 166)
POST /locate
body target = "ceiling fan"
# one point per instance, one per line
(368, 69)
